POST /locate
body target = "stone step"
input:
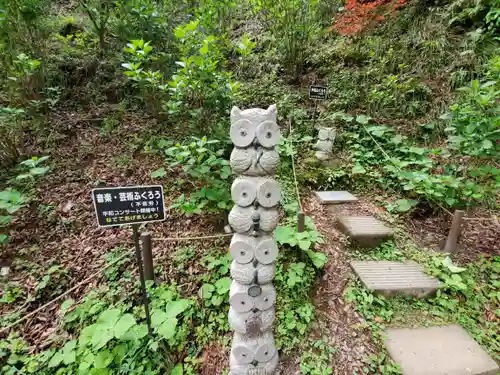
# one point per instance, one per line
(394, 278)
(335, 197)
(364, 231)
(446, 350)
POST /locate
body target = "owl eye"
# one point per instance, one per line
(242, 133)
(268, 134)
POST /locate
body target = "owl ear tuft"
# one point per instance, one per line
(272, 112)
(235, 114)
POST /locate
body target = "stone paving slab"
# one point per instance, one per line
(335, 197)
(447, 350)
(394, 278)
(364, 231)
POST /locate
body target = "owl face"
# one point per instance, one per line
(249, 191)
(246, 298)
(249, 350)
(245, 249)
(254, 126)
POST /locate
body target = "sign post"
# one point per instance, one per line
(132, 205)
(316, 93)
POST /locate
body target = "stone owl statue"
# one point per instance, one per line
(253, 249)
(249, 129)
(324, 145)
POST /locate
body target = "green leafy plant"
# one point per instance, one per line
(289, 235)
(215, 294)
(99, 13)
(203, 163)
(199, 82)
(472, 125)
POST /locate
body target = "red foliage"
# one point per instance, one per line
(357, 16)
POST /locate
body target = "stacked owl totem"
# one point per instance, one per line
(255, 134)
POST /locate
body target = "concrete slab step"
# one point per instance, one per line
(364, 231)
(446, 350)
(395, 278)
(335, 197)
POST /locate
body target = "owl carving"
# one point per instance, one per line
(254, 161)
(261, 191)
(251, 322)
(254, 126)
(326, 137)
(253, 272)
(255, 133)
(245, 298)
(245, 249)
(253, 350)
(248, 220)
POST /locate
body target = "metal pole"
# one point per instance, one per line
(144, 293)
(451, 242)
(300, 222)
(147, 256)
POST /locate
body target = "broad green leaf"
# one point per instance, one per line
(126, 322)
(174, 308)
(66, 305)
(177, 370)
(358, 169)
(102, 359)
(137, 332)
(158, 173)
(120, 352)
(362, 119)
(304, 244)
(86, 362)
(69, 353)
(397, 139)
(167, 329)
(101, 337)
(206, 291)
(3, 239)
(5, 220)
(319, 259)
(158, 317)
(216, 300)
(284, 234)
(109, 318)
(487, 144)
(56, 359)
(448, 263)
(404, 205)
(222, 285)
(86, 335)
(39, 170)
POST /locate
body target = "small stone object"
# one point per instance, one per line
(364, 231)
(4, 271)
(442, 350)
(394, 278)
(324, 145)
(333, 197)
(252, 296)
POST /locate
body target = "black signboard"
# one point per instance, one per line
(318, 92)
(128, 205)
